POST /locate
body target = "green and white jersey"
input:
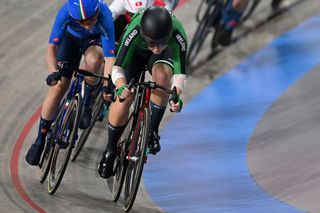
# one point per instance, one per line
(132, 41)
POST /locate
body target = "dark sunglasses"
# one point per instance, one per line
(154, 43)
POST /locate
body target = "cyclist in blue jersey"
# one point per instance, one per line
(81, 27)
(231, 15)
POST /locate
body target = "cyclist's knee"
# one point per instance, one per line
(93, 59)
(240, 5)
(162, 74)
(93, 63)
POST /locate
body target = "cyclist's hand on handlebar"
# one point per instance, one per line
(124, 92)
(175, 105)
(53, 78)
(106, 92)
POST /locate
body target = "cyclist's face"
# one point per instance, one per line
(155, 47)
(89, 23)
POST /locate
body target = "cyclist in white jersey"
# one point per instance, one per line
(122, 11)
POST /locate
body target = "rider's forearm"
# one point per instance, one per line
(108, 64)
(118, 76)
(51, 57)
(179, 81)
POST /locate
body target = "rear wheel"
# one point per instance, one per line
(136, 157)
(64, 142)
(249, 10)
(207, 23)
(97, 107)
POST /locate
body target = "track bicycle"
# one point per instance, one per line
(63, 133)
(208, 16)
(132, 147)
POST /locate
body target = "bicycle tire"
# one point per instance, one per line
(97, 107)
(135, 167)
(203, 29)
(115, 182)
(198, 16)
(249, 10)
(45, 161)
(216, 13)
(74, 108)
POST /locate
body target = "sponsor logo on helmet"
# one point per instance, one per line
(130, 37)
(181, 42)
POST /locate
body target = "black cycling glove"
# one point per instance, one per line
(54, 76)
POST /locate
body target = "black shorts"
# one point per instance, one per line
(70, 51)
(143, 61)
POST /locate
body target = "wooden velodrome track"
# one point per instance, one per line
(25, 27)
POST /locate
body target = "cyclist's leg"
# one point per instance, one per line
(93, 59)
(118, 115)
(162, 72)
(67, 54)
(231, 15)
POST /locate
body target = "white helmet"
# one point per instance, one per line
(133, 6)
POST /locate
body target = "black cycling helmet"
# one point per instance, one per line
(156, 26)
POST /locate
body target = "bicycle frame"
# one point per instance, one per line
(75, 88)
(145, 99)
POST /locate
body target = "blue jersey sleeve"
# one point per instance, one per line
(107, 31)
(60, 25)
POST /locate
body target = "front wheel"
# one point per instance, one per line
(136, 157)
(45, 161)
(115, 182)
(64, 142)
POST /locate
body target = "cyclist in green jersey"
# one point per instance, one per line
(156, 39)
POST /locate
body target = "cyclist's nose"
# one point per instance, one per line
(88, 27)
(156, 50)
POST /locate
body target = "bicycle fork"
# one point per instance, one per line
(137, 130)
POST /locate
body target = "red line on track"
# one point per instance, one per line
(14, 162)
